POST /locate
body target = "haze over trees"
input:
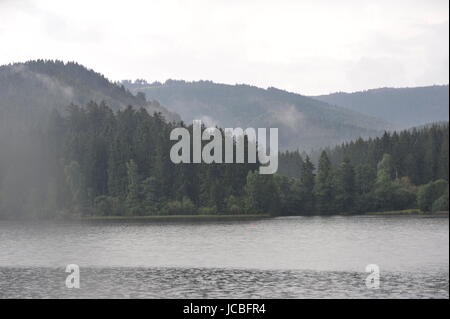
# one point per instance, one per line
(29, 90)
(94, 159)
(304, 123)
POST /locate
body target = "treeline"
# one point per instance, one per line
(419, 153)
(396, 171)
(93, 161)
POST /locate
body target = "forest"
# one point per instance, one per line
(93, 161)
(318, 123)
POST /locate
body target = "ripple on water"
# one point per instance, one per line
(216, 283)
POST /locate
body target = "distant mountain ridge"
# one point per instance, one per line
(303, 122)
(27, 89)
(403, 107)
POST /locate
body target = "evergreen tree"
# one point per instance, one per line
(133, 188)
(76, 182)
(346, 187)
(263, 194)
(307, 184)
(430, 193)
(384, 170)
(324, 192)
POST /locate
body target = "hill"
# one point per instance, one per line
(404, 107)
(28, 89)
(303, 122)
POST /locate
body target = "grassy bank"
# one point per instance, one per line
(176, 218)
(407, 212)
(207, 218)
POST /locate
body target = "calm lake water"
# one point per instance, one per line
(294, 257)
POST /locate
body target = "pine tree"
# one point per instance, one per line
(324, 186)
(346, 187)
(384, 170)
(444, 157)
(150, 200)
(133, 188)
(76, 182)
(307, 184)
(263, 194)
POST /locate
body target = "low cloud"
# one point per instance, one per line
(310, 47)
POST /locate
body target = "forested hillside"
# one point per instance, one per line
(396, 171)
(111, 157)
(303, 123)
(404, 107)
(419, 153)
(29, 90)
(93, 161)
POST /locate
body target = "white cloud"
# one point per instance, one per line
(310, 47)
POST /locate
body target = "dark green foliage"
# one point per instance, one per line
(94, 161)
(117, 163)
(132, 198)
(394, 195)
(291, 164)
(109, 158)
(183, 207)
(441, 204)
(307, 184)
(150, 200)
(262, 194)
(374, 175)
(433, 196)
(325, 188)
(420, 154)
(346, 192)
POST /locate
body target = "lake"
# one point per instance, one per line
(286, 257)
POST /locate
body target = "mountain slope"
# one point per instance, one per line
(303, 122)
(28, 89)
(404, 107)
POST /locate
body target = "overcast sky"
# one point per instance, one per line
(309, 47)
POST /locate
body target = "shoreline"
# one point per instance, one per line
(407, 212)
(176, 218)
(200, 218)
(218, 218)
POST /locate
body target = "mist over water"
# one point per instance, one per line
(291, 257)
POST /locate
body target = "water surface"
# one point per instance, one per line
(293, 257)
